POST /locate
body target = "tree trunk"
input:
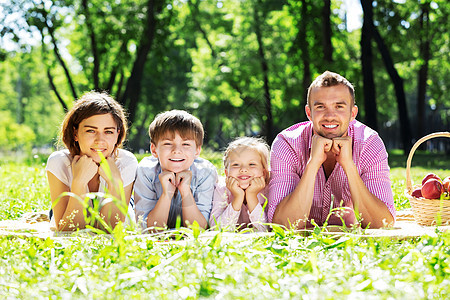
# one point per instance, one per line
(399, 91)
(55, 90)
(304, 48)
(61, 61)
(265, 70)
(96, 62)
(327, 45)
(425, 56)
(370, 105)
(132, 92)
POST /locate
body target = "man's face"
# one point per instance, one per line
(331, 110)
(175, 154)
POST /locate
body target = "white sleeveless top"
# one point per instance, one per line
(59, 164)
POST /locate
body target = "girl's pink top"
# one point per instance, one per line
(224, 215)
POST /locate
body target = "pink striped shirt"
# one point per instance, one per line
(290, 153)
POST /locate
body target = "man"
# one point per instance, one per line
(330, 167)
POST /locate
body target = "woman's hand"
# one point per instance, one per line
(114, 178)
(83, 169)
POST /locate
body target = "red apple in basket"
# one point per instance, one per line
(430, 176)
(446, 183)
(417, 193)
(432, 189)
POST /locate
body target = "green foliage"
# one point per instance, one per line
(263, 268)
(185, 264)
(14, 136)
(205, 57)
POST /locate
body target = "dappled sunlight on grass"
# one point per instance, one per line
(184, 264)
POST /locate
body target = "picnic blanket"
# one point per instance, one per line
(37, 224)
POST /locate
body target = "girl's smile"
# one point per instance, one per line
(244, 165)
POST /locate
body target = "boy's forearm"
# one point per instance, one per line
(191, 212)
(160, 213)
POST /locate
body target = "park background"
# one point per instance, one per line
(242, 67)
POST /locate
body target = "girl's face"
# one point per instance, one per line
(97, 133)
(244, 165)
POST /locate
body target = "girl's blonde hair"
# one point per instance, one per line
(257, 144)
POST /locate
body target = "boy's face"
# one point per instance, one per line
(175, 154)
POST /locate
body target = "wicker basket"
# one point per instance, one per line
(426, 212)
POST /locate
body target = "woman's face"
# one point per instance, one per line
(96, 134)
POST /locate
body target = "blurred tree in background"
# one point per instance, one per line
(242, 67)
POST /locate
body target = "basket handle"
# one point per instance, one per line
(413, 149)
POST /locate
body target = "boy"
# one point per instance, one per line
(174, 181)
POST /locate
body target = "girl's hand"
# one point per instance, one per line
(234, 188)
(113, 178)
(83, 169)
(256, 185)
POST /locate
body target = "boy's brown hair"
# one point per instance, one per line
(328, 79)
(170, 122)
(92, 104)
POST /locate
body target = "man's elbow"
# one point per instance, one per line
(386, 221)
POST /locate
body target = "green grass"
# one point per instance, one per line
(284, 265)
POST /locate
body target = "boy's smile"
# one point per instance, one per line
(175, 153)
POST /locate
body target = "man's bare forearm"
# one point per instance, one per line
(295, 207)
(373, 211)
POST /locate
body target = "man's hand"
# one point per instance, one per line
(167, 180)
(83, 169)
(342, 149)
(319, 148)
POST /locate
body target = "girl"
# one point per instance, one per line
(240, 198)
(95, 124)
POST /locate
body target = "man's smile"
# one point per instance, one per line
(330, 126)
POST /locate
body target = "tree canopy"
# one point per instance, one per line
(242, 67)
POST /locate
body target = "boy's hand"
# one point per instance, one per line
(256, 185)
(83, 169)
(183, 181)
(234, 188)
(342, 149)
(167, 180)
